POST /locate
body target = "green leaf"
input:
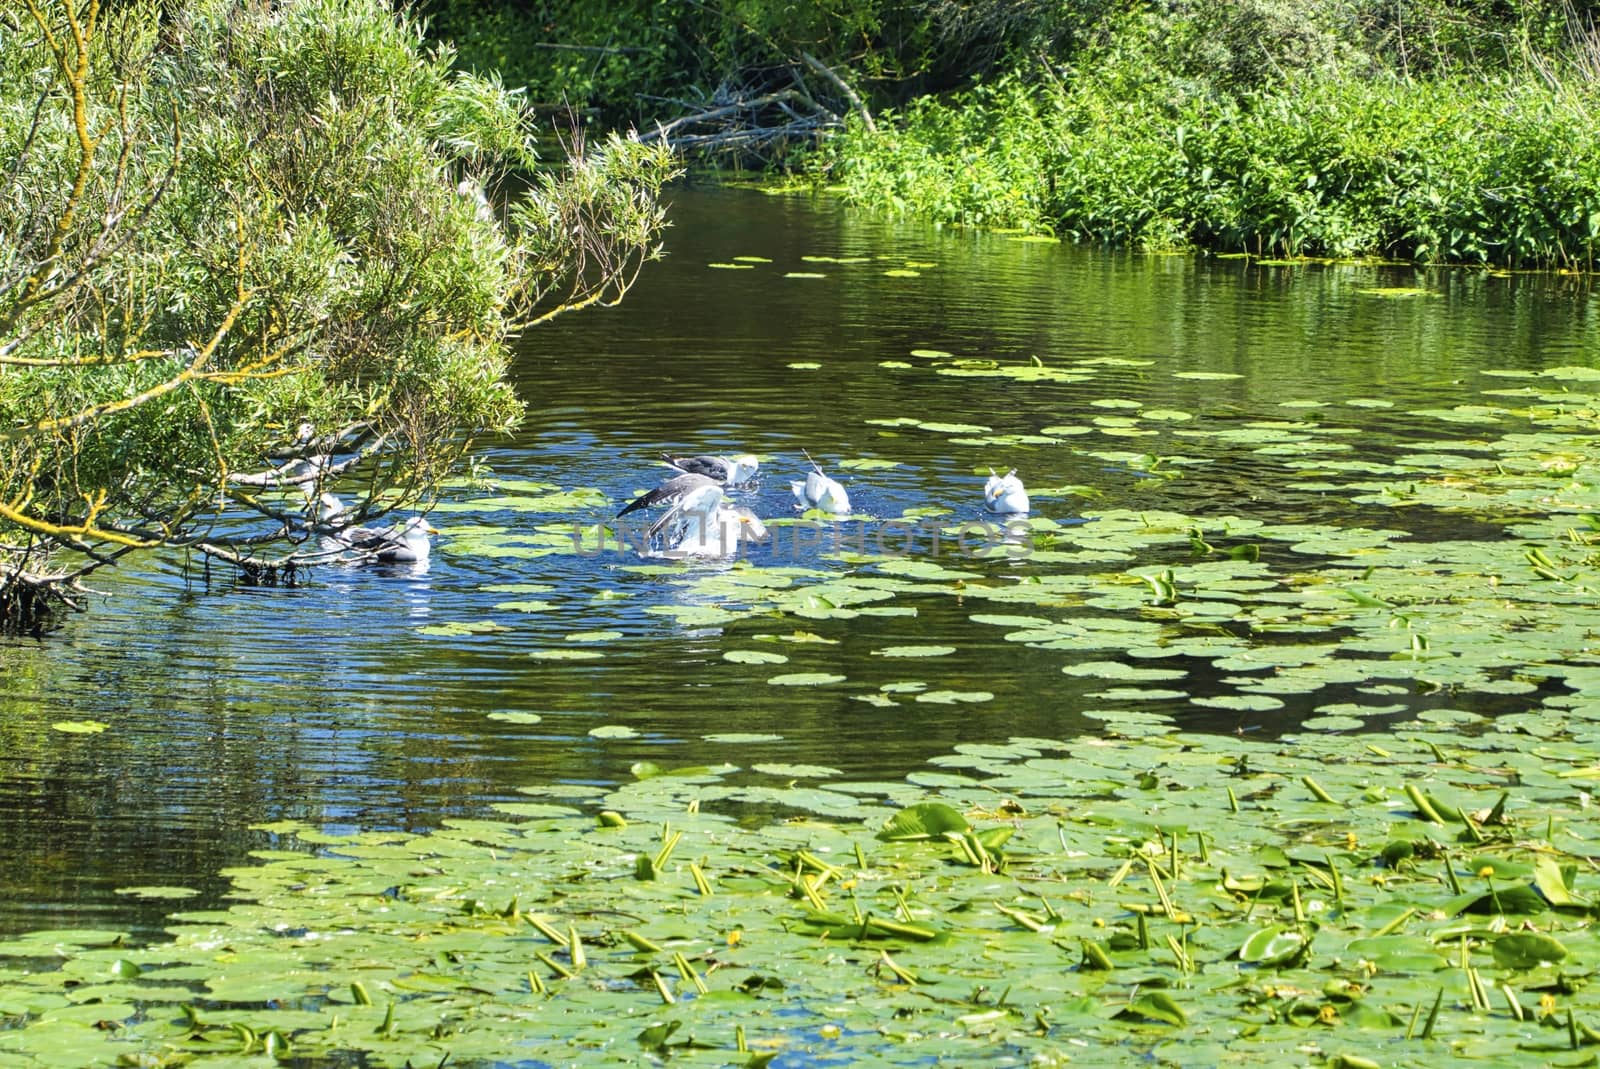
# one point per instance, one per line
(1275, 945)
(1526, 950)
(925, 820)
(1158, 1006)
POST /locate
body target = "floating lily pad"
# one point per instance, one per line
(595, 636)
(797, 771)
(158, 892)
(79, 727)
(753, 657)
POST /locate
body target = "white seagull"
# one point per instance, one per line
(818, 491)
(403, 543)
(729, 527)
(731, 471)
(1005, 493)
(687, 495)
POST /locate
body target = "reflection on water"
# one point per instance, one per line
(227, 707)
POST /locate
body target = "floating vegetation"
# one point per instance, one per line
(79, 727)
(1159, 896)
(517, 718)
(1397, 292)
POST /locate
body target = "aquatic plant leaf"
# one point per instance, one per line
(805, 679)
(925, 820)
(753, 657)
(158, 891)
(1526, 950)
(1274, 945)
(79, 727)
(595, 636)
(517, 718)
(796, 770)
(1158, 1006)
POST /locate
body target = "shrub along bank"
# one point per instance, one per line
(1457, 169)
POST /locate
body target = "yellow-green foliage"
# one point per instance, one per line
(258, 219)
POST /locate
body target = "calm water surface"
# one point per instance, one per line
(229, 707)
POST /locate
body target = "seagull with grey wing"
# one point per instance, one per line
(402, 543)
(730, 471)
(687, 496)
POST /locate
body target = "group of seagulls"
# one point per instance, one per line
(701, 520)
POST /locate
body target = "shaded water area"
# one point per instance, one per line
(1165, 384)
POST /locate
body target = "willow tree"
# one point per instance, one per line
(247, 257)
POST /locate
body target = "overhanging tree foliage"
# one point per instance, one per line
(246, 257)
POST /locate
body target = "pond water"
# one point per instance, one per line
(1282, 409)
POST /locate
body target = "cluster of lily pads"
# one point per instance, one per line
(1327, 896)
(1465, 589)
(1189, 899)
(1315, 894)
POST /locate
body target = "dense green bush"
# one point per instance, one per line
(1446, 169)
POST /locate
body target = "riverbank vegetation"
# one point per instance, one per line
(247, 256)
(1151, 144)
(1451, 131)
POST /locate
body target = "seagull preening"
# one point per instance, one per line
(817, 491)
(402, 543)
(1005, 493)
(405, 543)
(686, 495)
(728, 529)
(730, 471)
(699, 521)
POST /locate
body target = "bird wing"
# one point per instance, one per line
(701, 496)
(717, 468)
(672, 488)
